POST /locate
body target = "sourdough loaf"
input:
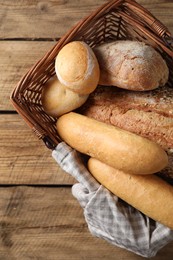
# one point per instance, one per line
(148, 114)
(131, 65)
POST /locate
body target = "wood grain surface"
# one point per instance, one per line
(37, 224)
(51, 19)
(39, 217)
(24, 159)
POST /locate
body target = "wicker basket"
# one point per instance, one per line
(117, 19)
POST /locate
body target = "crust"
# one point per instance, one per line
(149, 194)
(114, 146)
(131, 65)
(149, 114)
(77, 67)
(57, 100)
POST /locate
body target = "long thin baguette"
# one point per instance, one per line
(149, 194)
(112, 145)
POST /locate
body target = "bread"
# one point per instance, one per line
(149, 194)
(131, 65)
(77, 67)
(57, 100)
(148, 114)
(167, 173)
(114, 146)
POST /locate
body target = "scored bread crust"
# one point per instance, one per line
(148, 114)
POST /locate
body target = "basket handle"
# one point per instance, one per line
(148, 18)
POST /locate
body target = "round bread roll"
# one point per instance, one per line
(77, 67)
(131, 65)
(57, 100)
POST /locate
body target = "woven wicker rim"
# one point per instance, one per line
(129, 13)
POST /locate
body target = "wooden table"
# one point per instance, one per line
(39, 218)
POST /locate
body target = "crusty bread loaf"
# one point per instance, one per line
(58, 100)
(149, 194)
(148, 114)
(131, 65)
(114, 146)
(77, 67)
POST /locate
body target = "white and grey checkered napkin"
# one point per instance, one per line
(107, 216)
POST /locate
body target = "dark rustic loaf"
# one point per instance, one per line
(148, 114)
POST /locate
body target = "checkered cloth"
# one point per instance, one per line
(107, 216)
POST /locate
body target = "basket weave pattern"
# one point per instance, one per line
(115, 20)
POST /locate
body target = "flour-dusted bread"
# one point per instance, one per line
(57, 100)
(131, 65)
(149, 194)
(111, 145)
(77, 67)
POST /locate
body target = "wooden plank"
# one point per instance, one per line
(45, 19)
(48, 223)
(17, 57)
(24, 159)
(51, 19)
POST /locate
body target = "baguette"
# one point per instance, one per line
(116, 147)
(149, 194)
